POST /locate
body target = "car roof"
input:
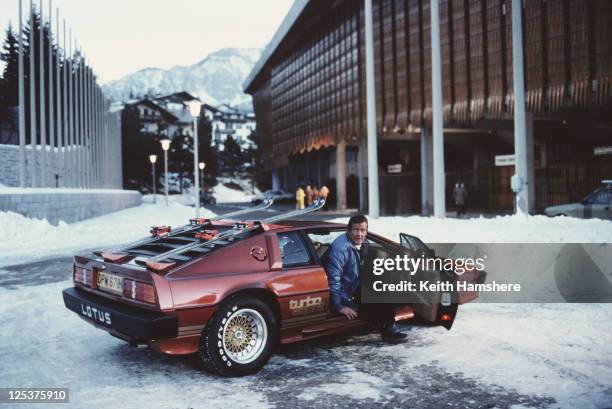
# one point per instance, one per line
(304, 224)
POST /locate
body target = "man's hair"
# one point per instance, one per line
(357, 219)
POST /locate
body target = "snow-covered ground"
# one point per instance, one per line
(224, 194)
(500, 229)
(497, 355)
(28, 239)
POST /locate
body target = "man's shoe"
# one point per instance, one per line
(392, 334)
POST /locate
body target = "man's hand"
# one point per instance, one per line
(348, 313)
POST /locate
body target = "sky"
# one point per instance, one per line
(120, 37)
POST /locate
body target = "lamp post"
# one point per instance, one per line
(253, 180)
(153, 159)
(165, 143)
(194, 108)
(202, 165)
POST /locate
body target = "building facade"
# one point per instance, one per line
(231, 121)
(309, 99)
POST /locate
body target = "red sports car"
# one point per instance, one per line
(227, 290)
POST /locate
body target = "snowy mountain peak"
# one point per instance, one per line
(216, 79)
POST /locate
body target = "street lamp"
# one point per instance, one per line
(253, 172)
(153, 159)
(194, 108)
(202, 165)
(165, 143)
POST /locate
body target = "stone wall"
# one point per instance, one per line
(68, 205)
(56, 158)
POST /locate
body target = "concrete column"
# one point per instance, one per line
(373, 197)
(361, 159)
(520, 127)
(275, 181)
(530, 164)
(42, 102)
(341, 175)
(33, 136)
(426, 172)
(52, 142)
(22, 129)
(438, 120)
(60, 137)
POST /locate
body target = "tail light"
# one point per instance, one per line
(82, 275)
(136, 290)
(446, 317)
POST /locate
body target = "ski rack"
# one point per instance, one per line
(267, 202)
(240, 228)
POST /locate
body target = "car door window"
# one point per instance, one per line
(322, 240)
(603, 198)
(293, 250)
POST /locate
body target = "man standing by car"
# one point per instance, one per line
(344, 266)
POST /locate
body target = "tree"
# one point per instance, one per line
(232, 155)
(181, 151)
(181, 156)
(206, 152)
(137, 146)
(255, 155)
(9, 85)
(10, 75)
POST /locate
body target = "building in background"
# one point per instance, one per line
(154, 119)
(234, 122)
(309, 99)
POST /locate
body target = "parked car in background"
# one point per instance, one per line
(174, 183)
(597, 204)
(279, 196)
(207, 197)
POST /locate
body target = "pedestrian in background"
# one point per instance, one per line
(323, 193)
(459, 196)
(299, 198)
(309, 195)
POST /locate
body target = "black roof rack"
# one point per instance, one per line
(230, 235)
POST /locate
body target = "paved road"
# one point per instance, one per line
(278, 209)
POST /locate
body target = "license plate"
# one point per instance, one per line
(110, 282)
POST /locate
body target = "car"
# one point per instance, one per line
(279, 195)
(597, 204)
(207, 197)
(229, 291)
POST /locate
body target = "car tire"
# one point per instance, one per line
(239, 338)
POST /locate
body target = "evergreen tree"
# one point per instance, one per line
(232, 154)
(255, 155)
(137, 146)
(206, 152)
(10, 75)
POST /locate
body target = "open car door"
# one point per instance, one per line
(433, 306)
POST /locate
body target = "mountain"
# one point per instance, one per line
(217, 79)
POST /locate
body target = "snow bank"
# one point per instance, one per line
(28, 239)
(500, 229)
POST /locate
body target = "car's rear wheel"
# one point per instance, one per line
(239, 338)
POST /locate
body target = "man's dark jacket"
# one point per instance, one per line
(343, 271)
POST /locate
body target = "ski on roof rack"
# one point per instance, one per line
(239, 228)
(194, 224)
